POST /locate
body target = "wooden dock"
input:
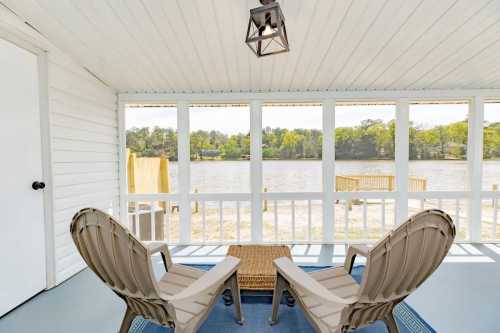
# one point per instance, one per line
(356, 183)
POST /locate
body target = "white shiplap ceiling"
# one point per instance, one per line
(198, 45)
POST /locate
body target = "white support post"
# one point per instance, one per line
(475, 159)
(184, 171)
(328, 166)
(124, 217)
(256, 168)
(402, 158)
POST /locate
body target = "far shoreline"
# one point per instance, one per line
(319, 160)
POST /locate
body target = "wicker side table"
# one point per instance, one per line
(256, 271)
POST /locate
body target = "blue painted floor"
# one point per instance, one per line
(291, 320)
(256, 312)
(463, 296)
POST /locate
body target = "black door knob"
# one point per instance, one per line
(38, 185)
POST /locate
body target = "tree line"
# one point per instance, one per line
(371, 140)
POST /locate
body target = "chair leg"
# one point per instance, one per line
(127, 320)
(390, 322)
(235, 291)
(279, 288)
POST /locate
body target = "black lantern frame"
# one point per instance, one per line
(266, 33)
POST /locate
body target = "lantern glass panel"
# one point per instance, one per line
(266, 32)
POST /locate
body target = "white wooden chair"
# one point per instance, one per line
(334, 302)
(183, 296)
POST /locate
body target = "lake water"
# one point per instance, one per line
(305, 176)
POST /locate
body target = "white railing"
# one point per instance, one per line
(213, 210)
(222, 218)
(151, 216)
(363, 217)
(455, 204)
(302, 212)
(490, 215)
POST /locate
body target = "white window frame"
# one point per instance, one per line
(402, 99)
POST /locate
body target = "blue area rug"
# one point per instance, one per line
(257, 309)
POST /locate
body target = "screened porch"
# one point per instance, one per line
(257, 193)
(348, 152)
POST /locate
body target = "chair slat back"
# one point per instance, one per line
(120, 261)
(400, 263)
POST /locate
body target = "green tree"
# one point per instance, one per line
(290, 145)
(372, 139)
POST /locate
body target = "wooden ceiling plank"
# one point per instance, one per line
(167, 65)
(187, 27)
(460, 61)
(138, 74)
(350, 33)
(133, 25)
(425, 17)
(297, 34)
(172, 61)
(483, 35)
(202, 19)
(103, 14)
(369, 19)
(181, 35)
(77, 21)
(494, 82)
(322, 13)
(480, 72)
(446, 38)
(226, 29)
(392, 19)
(290, 9)
(240, 51)
(343, 9)
(181, 49)
(57, 34)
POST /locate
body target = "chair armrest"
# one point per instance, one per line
(298, 278)
(214, 278)
(352, 252)
(155, 247)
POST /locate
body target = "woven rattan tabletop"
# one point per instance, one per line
(256, 271)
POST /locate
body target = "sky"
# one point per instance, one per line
(232, 120)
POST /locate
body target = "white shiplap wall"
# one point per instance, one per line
(84, 140)
(83, 126)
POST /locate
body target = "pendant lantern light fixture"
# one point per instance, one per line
(266, 33)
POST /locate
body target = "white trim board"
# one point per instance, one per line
(313, 96)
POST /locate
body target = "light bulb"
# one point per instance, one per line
(268, 30)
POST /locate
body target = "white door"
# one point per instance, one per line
(22, 240)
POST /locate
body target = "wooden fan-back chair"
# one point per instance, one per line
(183, 296)
(334, 302)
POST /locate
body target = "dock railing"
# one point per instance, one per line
(356, 183)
